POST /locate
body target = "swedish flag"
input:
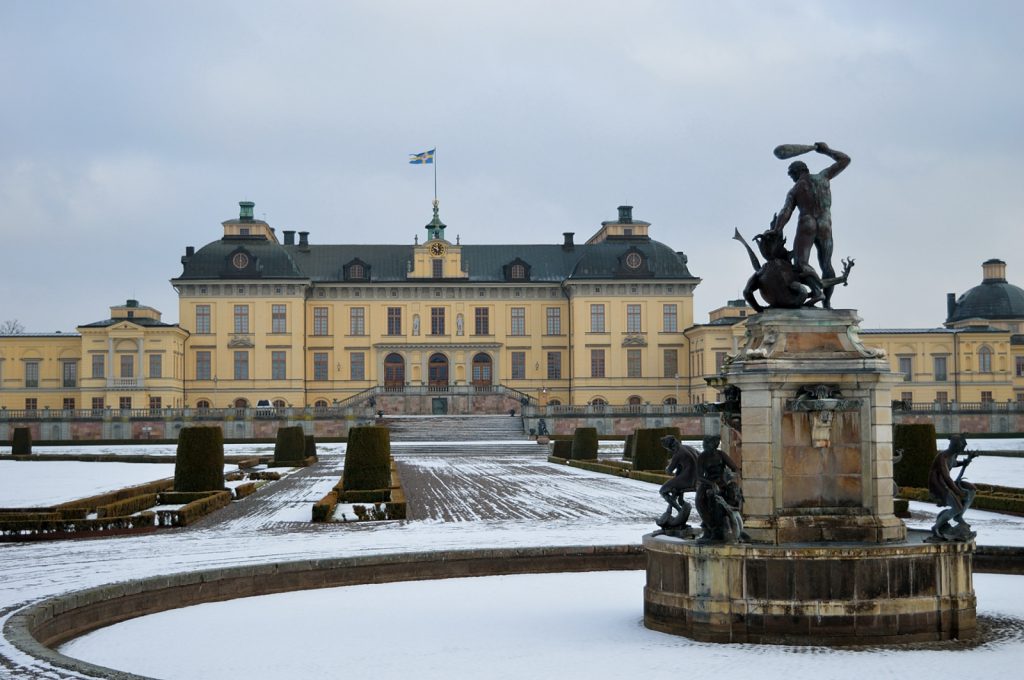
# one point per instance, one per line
(421, 158)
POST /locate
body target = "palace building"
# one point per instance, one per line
(292, 323)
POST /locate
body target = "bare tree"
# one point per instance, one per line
(11, 327)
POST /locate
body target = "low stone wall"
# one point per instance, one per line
(40, 627)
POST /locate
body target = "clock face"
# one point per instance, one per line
(437, 249)
(633, 260)
(240, 260)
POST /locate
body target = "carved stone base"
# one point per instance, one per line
(810, 594)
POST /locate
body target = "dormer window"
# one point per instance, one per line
(518, 272)
(356, 271)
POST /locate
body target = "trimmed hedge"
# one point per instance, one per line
(364, 496)
(243, 490)
(562, 448)
(21, 442)
(310, 446)
(128, 506)
(584, 444)
(199, 464)
(194, 510)
(367, 459)
(265, 475)
(323, 509)
(985, 500)
(83, 506)
(627, 447)
(16, 527)
(290, 445)
(649, 454)
(918, 444)
(594, 466)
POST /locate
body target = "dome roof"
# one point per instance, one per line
(995, 298)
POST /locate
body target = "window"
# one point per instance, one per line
(669, 319)
(634, 367)
(554, 321)
(517, 272)
(98, 366)
(31, 374)
(356, 271)
(597, 363)
(942, 397)
(482, 369)
(671, 363)
(278, 366)
(97, 404)
(203, 405)
(632, 318)
(907, 368)
(203, 365)
(127, 366)
(69, 371)
(437, 269)
(597, 318)
(720, 360)
(986, 397)
(357, 367)
(1020, 367)
(939, 366)
(156, 365)
(31, 403)
(437, 320)
(482, 321)
(202, 319)
(394, 320)
(69, 404)
(907, 397)
(155, 403)
(670, 401)
(320, 404)
(241, 365)
(984, 360)
(357, 321)
(320, 321)
(241, 318)
(518, 365)
(279, 403)
(554, 365)
(320, 366)
(125, 403)
(518, 321)
(278, 319)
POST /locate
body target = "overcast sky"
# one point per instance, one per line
(131, 129)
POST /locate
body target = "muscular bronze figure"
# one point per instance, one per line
(812, 196)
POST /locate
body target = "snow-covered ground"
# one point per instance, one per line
(535, 626)
(464, 502)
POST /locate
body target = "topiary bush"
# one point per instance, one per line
(290, 445)
(648, 453)
(918, 444)
(562, 448)
(21, 442)
(310, 450)
(627, 448)
(584, 443)
(199, 463)
(367, 459)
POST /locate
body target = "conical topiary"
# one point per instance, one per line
(367, 459)
(290, 445)
(917, 442)
(584, 443)
(199, 463)
(21, 442)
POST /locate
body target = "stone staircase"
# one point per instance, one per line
(454, 435)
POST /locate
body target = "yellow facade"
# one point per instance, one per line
(130, 361)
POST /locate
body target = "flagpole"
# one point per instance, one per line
(435, 174)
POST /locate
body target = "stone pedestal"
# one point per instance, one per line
(814, 469)
(808, 418)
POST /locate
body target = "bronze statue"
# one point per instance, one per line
(683, 468)
(812, 196)
(719, 498)
(781, 282)
(956, 494)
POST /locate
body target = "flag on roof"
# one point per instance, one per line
(421, 158)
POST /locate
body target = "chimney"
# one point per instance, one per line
(304, 238)
(994, 271)
(190, 251)
(289, 237)
(950, 305)
(625, 214)
(568, 244)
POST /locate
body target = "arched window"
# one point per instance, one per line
(320, 404)
(554, 402)
(984, 360)
(279, 403)
(394, 372)
(356, 271)
(598, 404)
(241, 403)
(670, 401)
(203, 405)
(437, 371)
(635, 401)
(482, 369)
(518, 272)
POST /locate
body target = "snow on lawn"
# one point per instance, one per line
(566, 625)
(253, 449)
(38, 483)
